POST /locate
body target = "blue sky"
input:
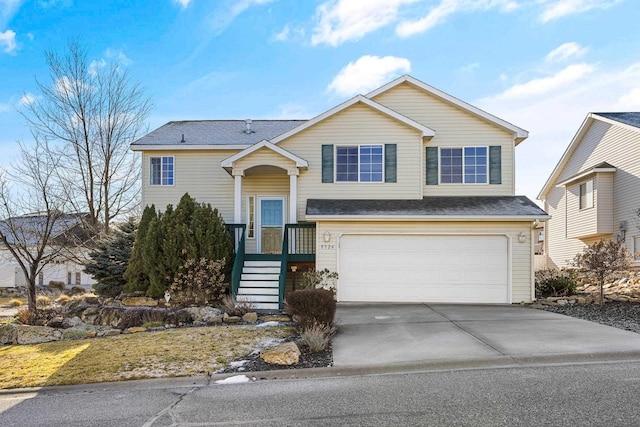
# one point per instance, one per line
(540, 64)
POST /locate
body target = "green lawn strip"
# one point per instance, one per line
(168, 353)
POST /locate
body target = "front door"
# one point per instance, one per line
(271, 223)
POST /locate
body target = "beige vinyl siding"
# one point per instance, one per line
(603, 199)
(454, 128)
(581, 222)
(196, 172)
(264, 157)
(263, 185)
(603, 142)
(521, 268)
(358, 124)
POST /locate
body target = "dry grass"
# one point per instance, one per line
(170, 353)
(11, 301)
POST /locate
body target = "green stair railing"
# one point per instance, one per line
(237, 232)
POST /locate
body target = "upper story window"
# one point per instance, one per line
(161, 170)
(466, 165)
(586, 194)
(359, 163)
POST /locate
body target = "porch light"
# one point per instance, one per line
(326, 236)
(522, 237)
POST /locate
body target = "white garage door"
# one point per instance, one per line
(423, 268)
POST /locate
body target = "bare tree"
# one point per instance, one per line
(31, 208)
(601, 260)
(88, 114)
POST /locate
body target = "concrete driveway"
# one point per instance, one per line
(388, 334)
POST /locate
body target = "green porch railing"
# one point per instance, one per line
(298, 244)
(237, 232)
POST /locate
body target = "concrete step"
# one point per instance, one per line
(258, 291)
(262, 264)
(253, 276)
(260, 298)
(260, 270)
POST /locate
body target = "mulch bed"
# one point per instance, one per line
(621, 315)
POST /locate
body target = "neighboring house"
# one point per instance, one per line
(409, 191)
(67, 229)
(594, 191)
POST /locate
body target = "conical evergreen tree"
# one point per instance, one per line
(136, 276)
(109, 261)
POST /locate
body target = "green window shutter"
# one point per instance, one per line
(390, 162)
(432, 165)
(495, 164)
(327, 163)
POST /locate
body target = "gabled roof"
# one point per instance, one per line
(426, 132)
(599, 168)
(30, 227)
(518, 208)
(212, 134)
(300, 162)
(573, 145)
(519, 133)
(631, 119)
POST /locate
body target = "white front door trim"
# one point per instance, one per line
(258, 230)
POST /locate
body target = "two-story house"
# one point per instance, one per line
(594, 191)
(406, 192)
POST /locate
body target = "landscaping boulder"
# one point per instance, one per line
(250, 317)
(230, 319)
(75, 308)
(70, 322)
(37, 334)
(205, 314)
(77, 290)
(90, 315)
(284, 354)
(8, 334)
(56, 322)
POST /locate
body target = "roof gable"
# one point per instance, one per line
(519, 133)
(228, 163)
(577, 139)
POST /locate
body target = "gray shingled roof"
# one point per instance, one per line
(216, 132)
(28, 229)
(480, 206)
(630, 118)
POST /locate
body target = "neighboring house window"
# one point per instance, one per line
(78, 278)
(251, 217)
(68, 277)
(636, 248)
(162, 170)
(41, 278)
(467, 165)
(363, 163)
(586, 195)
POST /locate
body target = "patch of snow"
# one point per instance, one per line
(270, 342)
(236, 379)
(268, 324)
(382, 317)
(237, 363)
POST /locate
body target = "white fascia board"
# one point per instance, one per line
(174, 147)
(426, 131)
(577, 138)
(439, 218)
(616, 123)
(585, 174)
(519, 133)
(300, 162)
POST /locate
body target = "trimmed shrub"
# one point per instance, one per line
(308, 307)
(555, 283)
(199, 283)
(43, 301)
(63, 299)
(316, 337)
(37, 318)
(15, 302)
(57, 284)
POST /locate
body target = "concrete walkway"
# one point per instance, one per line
(388, 334)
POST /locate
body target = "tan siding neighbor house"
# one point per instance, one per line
(594, 191)
(406, 192)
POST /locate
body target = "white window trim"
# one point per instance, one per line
(249, 216)
(150, 170)
(590, 201)
(335, 164)
(461, 183)
(636, 250)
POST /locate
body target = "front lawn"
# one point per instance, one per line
(167, 353)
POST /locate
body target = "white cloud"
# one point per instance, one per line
(566, 51)
(118, 56)
(554, 9)
(439, 14)
(4, 108)
(183, 3)
(8, 41)
(544, 85)
(553, 116)
(27, 99)
(367, 73)
(224, 16)
(339, 21)
(283, 35)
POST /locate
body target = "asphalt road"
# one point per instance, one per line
(598, 394)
